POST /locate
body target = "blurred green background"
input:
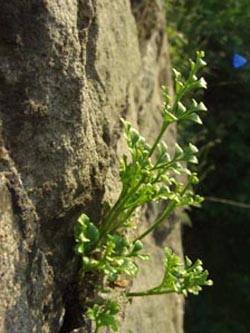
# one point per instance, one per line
(220, 233)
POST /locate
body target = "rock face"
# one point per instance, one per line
(69, 69)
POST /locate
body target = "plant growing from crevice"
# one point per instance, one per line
(104, 315)
(150, 174)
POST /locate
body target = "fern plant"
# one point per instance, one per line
(107, 250)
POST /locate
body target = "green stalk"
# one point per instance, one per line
(166, 213)
(115, 211)
(111, 211)
(107, 225)
(149, 292)
(127, 216)
(160, 135)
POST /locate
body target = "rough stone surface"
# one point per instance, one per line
(69, 69)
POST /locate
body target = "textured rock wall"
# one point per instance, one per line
(69, 69)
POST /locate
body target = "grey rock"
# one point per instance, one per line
(69, 70)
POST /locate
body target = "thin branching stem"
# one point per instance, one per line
(149, 292)
(170, 207)
(166, 213)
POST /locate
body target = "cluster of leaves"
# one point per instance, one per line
(113, 257)
(179, 278)
(104, 315)
(150, 174)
